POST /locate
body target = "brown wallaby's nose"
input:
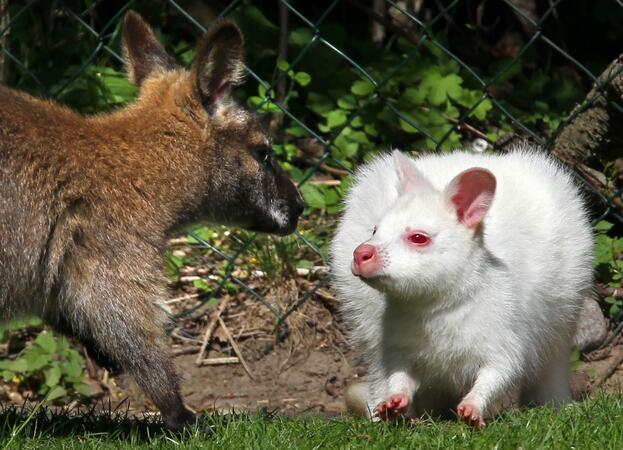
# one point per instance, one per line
(366, 261)
(300, 204)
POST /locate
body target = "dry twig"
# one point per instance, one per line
(234, 346)
(219, 361)
(210, 329)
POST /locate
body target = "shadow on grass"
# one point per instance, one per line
(98, 419)
(103, 420)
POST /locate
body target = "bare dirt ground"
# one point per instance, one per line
(305, 372)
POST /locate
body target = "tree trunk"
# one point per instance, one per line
(4, 39)
(593, 133)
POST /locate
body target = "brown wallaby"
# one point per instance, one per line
(86, 203)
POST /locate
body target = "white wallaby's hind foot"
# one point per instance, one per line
(551, 386)
(356, 399)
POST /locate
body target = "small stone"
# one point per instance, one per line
(479, 145)
(16, 398)
(335, 407)
(592, 326)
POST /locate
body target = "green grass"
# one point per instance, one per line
(592, 424)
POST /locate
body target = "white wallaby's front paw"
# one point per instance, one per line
(394, 407)
(469, 412)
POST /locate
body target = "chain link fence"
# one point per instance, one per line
(344, 79)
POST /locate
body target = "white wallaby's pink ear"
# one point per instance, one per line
(471, 193)
(408, 176)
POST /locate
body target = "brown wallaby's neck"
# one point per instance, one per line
(143, 157)
(156, 148)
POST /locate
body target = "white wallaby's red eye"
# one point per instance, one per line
(418, 238)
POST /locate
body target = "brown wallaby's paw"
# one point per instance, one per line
(184, 420)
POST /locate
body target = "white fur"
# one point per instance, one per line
(477, 313)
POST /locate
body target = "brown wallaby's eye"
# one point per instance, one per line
(374, 231)
(262, 155)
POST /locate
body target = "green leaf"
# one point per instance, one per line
(73, 368)
(362, 88)
(302, 78)
(296, 131)
(201, 285)
(19, 365)
(36, 358)
(304, 264)
(415, 96)
(603, 252)
(56, 392)
(336, 118)
(406, 126)
(445, 87)
(174, 262)
(371, 130)
(282, 64)
(300, 36)
(319, 103)
(270, 107)
(52, 376)
(347, 102)
(603, 226)
(313, 197)
(480, 112)
(358, 136)
(614, 310)
(62, 344)
(82, 388)
(332, 197)
(46, 341)
(204, 233)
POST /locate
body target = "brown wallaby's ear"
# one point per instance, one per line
(144, 55)
(219, 63)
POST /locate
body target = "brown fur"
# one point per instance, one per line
(86, 203)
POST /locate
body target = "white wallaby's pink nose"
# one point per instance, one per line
(366, 261)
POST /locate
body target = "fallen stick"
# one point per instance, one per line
(210, 329)
(325, 182)
(180, 299)
(185, 351)
(219, 361)
(178, 241)
(234, 346)
(176, 334)
(608, 291)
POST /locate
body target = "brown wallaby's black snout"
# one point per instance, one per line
(296, 206)
(280, 203)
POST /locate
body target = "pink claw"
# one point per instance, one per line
(394, 407)
(470, 414)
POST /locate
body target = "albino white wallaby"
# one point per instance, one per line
(462, 277)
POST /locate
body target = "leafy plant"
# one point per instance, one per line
(609, 262)
(14, 325)
(49, 367)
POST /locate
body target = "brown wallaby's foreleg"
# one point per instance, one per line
(115, 310)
